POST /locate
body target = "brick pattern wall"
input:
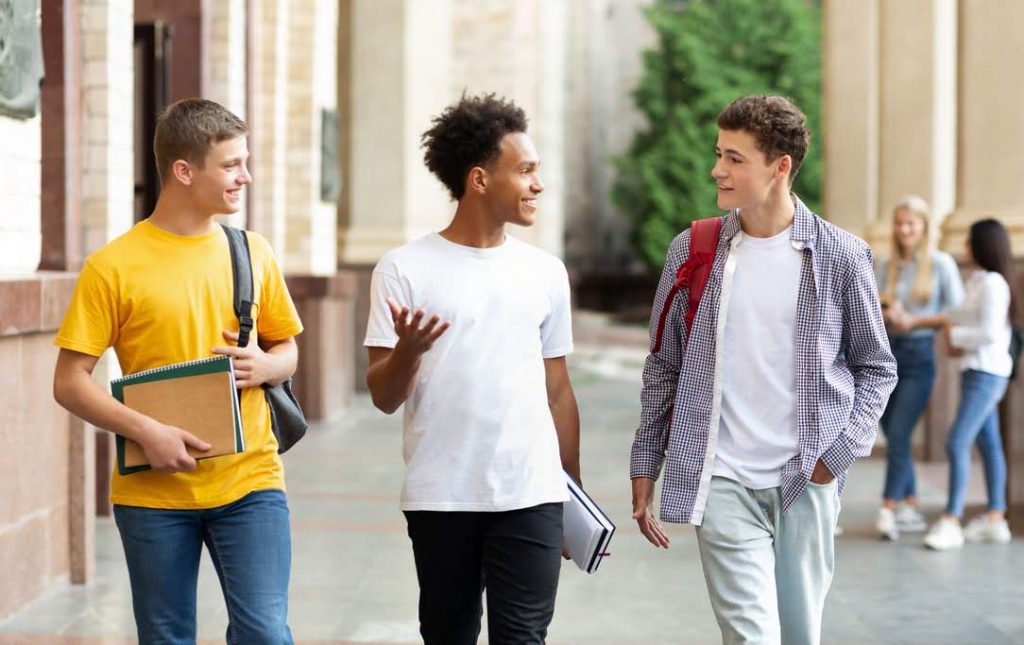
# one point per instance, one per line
(108, 103)
(20, 154)
(226, 68)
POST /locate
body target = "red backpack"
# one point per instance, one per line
(693, 274)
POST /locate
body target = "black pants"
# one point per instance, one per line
(515, 555)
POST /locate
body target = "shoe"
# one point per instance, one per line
(910, 520)
(945, 534)
(982, 529)
(886, 524)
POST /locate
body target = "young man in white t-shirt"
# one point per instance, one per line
(469, 327)
(758, 410)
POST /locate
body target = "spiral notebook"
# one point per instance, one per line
(198, 396)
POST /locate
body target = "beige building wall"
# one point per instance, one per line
(268, 167)
(108, 102)
(311, 223)
(991, 130)
(224, 67)
(399, 75)
(20, 227)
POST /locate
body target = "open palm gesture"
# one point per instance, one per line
(414, 336)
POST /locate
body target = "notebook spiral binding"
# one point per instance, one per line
(174, 366)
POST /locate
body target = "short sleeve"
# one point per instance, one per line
(278, 318)
(90, 324)
(380, 329)
(556, 330)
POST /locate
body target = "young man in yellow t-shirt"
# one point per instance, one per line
(163, 293)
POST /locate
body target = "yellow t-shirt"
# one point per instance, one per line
(158, 298)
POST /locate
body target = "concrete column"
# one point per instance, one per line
(108, 80)
(851, 110)
(917, 143)
(399, 75)
(270, 119)
(311, 223)
(991, 96)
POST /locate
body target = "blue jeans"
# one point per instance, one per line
(977, 421)
(250, 544)
(915, 367)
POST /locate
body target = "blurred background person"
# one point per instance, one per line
(978, 334)
(917, 283)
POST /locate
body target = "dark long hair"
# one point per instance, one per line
(990, 246)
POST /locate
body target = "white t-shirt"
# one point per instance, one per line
(981, 326)
(478, 432)
(758, 430)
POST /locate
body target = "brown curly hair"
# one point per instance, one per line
(778, 126)
(467, 134)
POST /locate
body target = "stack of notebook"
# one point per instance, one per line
(587, 531)
(197, 396)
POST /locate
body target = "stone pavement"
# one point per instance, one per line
(353, 579)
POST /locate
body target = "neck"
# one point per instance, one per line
(472, 226)
(906, 254)
(181, 218)
(770, 217)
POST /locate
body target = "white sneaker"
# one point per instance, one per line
(886, 524)
(982, 529)
(945, 534)
(910, 520)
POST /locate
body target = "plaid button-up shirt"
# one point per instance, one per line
(844, 369)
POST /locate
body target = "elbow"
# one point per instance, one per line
(378, 397)
(60, 391)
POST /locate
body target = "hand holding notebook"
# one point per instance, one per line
(587, 531)
(197, 396)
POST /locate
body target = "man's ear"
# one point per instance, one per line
(785, 165)
(182, 171)
(477, 180)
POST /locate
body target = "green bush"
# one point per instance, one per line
(708, 53)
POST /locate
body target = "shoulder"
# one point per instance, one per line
(394, 261)
(944, 261)
(839, 246)
(995, 281)
(534, 256)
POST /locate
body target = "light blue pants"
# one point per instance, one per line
(977, 422)
(767, 571)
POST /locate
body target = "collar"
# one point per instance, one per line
(803, 234)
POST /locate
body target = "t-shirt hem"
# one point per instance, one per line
(557, 352)
(189, 505)
(380, 342)
(482, 507)
(285, 334)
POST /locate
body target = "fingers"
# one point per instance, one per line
(651, 528)
(194, 442)
(434, 335)
(235, 351)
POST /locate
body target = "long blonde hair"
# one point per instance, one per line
(922, 289)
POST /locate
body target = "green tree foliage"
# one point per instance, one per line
(708, 53)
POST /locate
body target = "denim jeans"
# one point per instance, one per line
(977, 422)
(915, 366)
(250, 543)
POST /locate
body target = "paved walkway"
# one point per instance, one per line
(353, 579)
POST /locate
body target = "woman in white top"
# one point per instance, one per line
(978, 335)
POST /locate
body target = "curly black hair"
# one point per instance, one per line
(468, 134)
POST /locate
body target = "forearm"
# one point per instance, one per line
(565, 413)
(80, 395)
(283, 358)
(391, 380)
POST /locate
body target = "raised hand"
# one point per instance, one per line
(415, 337)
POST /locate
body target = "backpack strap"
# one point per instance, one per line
(693, 274)
(241, 270)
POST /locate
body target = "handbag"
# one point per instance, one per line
(286, 418)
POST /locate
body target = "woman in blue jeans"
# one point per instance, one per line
(978, 335)
(917, 284)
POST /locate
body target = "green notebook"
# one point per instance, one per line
(198, 396)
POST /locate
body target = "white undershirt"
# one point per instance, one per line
(758, 431)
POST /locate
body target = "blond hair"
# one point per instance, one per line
(923, 285)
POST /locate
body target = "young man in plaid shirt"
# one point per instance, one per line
(759, 409)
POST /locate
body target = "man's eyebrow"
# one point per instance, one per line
(730, 151)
